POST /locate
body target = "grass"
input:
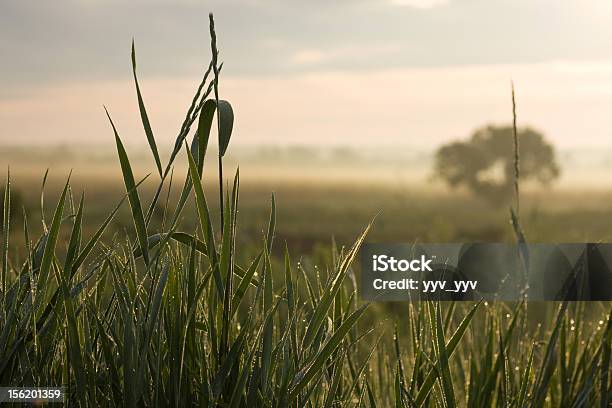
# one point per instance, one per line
(171, 314)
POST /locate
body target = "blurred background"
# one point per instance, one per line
(344, 110)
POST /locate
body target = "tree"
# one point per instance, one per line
(485, 162)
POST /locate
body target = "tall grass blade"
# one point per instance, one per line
(199, 147)
(6, 224)
(450, 346)
(271, 224)
(133, 197)
(74, 343)
(266, 358)
(548, 365)
(524, 388)
(304, 376)
(442, 354)
(51, 242)
(144, 117)
(320, 312)
(205, 222)
(246, 280)
(74, 245)
(517, 167)
(605, 390)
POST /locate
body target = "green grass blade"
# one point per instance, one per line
(225, 115)
(143, 115)
(491, 378)
(205, 222)
(245, 282)
(320, 313)
(450, 346)
(199, 146)
(548, 364)
(133, 197)
(268, 328)
(522, 395)
(442, 354)
(74, 245)
(6, 223)
(42, 202)
(95, 238)
(49, 252)
(304, 376)
(237, 392)
(153, 316)
(605, 366)
(365, 363)
(291, 303)
(225, 263)
(74, 343)
(178, 236)
(271, 225)
(332, 393)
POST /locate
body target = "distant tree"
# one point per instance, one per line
(485, 162)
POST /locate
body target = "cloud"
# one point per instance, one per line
(308, 56)
(423, 107)
(68, 40)
(343, 55)
(421, 4)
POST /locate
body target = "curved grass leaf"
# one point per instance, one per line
(320, 313)
(144, 117)
(134, 199)
(225, 116)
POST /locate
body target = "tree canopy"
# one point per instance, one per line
(485, 162)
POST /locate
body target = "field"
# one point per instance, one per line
(140, 295)
(311, 209)
(310, 216)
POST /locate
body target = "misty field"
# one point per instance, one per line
(197, 289)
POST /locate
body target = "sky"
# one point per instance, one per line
(347, 72)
